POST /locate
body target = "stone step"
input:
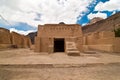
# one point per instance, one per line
(71, 49)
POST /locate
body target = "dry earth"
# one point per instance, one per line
(108, 72)
(35, 72)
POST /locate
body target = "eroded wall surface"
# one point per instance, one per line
(26, 42)
(17, 39)
(44, 42)
(13, 40)
(5, 38)
(102, 41)
(20, 41)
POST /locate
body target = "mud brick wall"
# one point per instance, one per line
(26, 42)
(116, 45)
(103, 37)
(91, 39)
(37, 44)
(5, 36)
(17, 40)
(13, 39)
(106, 34)
(46, 34)
(103, 41)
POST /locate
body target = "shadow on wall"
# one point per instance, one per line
(117, 32)
(32, 36)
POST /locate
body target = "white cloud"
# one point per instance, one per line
(21, 32)
(52, 11)
(109, 6)
(84, 24)
(101, 15)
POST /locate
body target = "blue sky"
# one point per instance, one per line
(23, 16)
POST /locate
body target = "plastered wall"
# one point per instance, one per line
(5, 36)
(103, 41)
(7, 39)
(47, 33)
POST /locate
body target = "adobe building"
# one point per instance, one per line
(68, 38)
(61, 37)
(13, 40)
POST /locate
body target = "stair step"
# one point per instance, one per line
(71, 49)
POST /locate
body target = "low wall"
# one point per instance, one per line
(104, 37)
(102, 41)
(106, 48)
(106, 44)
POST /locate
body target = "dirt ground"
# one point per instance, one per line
(26, 56)
(108, 72)
(24, 64)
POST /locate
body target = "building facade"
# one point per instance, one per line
(59, 38)
(69, 38)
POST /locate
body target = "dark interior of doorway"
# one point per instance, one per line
(59, 45)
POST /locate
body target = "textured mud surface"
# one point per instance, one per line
(104, 72)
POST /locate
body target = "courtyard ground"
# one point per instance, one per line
(25, 64)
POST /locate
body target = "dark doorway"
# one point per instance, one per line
(59, 45)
